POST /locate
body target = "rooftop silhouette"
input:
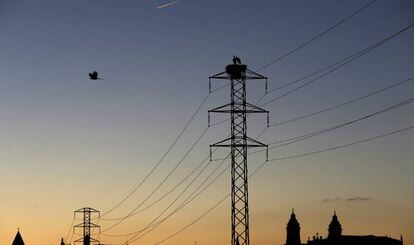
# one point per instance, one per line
(335, 236)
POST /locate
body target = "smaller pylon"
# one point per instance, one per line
(86, 225)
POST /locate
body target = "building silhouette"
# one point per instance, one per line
(18, 240)
(335, 236)
(293, 230)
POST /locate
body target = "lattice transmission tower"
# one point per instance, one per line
(87, 225)
(239, 142)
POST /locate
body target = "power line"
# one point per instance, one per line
(188, 200)
(70, 229)
(162, 182)
(204, 100)
(310, 75)
(335, 66)
(280, 159)
(342, 146)
(168, 192)
(194, 221)
(162, 158)
(165, 194)
(360, 53)
(289, 141)
(377, 113)
(182, 192)
(317, 36)
(343, 104)
(371, 48)
(330, 108)
(307, 42)
(313, 134)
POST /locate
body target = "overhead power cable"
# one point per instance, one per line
(70, 229)
(280, 159)
(360, 53)
(181, 193)
(337, 106)
(304, 44)
(188, 200)
(194, 221)
(162, 182)
(167, 193)
(342, 146)
(162, 158)
(372, 47)
(331, 68)
(289, 141)
(206, 159)
(316, 133)
(343, 104)
(317, 36)
(171, 147)
(313, 134)
(309, 75)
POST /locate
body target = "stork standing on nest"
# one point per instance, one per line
(236, 60)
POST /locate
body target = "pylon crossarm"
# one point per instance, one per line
(255, 108)
(220, 109)
(92, 210)
(250, 108)
(255, 142)
(221, 75)
(253, 75)
(220, 143)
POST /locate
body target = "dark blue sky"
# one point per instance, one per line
(156, 64)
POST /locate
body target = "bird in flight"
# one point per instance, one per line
(94, 76)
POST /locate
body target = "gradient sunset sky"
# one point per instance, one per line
(68, 142)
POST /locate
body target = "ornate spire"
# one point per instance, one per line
(335, 228)
(293, 230)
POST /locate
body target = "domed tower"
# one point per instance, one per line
(293, 231)
(335, 228)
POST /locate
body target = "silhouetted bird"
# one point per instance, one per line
(236, 60)
(94, 76)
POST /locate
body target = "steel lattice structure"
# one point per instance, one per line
(238, 142)
(86, 225)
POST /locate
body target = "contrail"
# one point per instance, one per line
(167, 4)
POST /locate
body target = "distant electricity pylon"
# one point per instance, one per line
(86, 225)
(238, 142)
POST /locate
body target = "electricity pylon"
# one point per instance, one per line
(86, 225)
(238, 142)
